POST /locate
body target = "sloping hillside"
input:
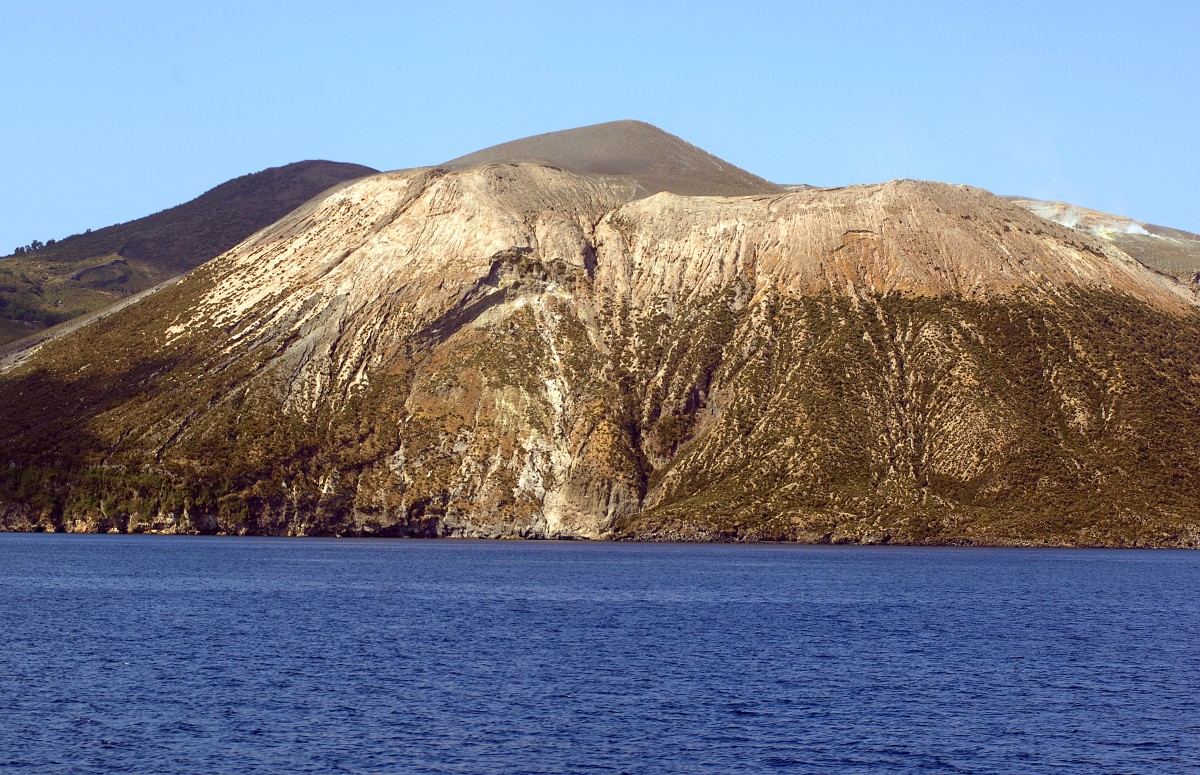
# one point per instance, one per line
(1171, 251)
(518, 350)
(658, 161)
(87, 272)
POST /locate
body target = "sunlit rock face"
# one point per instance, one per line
(521, 350)
(1171, 251)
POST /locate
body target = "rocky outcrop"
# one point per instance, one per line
(519, 350)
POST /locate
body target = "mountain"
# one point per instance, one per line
(89, 272)
(513, 349)
(1171, 251)
(655, 160)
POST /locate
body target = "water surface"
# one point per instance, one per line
(190, 654)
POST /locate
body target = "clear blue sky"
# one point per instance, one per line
(116, 110)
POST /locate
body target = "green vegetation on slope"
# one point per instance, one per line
(896, 418)
(62, 279)
(888, 418)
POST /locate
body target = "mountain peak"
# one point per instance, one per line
(517, 349)
(657, 160)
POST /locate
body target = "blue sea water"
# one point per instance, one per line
(189, 654)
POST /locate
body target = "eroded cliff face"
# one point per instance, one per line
(516, 350)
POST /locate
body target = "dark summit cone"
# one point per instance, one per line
(657, 160)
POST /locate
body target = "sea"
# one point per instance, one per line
(206, 654)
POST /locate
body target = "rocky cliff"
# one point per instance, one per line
(514, 349)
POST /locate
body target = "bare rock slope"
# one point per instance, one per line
(515, 349)
(656, 160)
(1171, 251)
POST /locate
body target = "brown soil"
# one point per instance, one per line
(657, 160)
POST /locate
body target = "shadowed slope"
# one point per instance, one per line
(88, 272)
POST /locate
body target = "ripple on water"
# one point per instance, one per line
(186, 655)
